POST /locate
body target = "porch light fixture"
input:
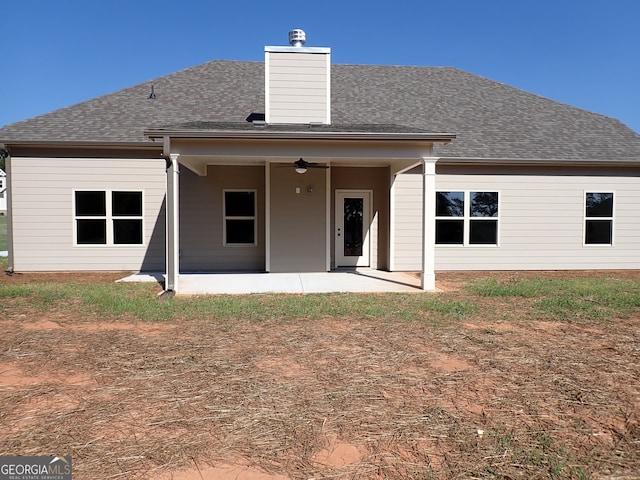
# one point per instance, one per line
(301, 166)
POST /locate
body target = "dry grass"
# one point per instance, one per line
(494, 395)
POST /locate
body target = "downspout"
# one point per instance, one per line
(6, 155)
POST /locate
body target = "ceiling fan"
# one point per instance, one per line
(302, 165)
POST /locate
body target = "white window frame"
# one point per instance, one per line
(235, 217)
(585, 218)
(463, 218)
(108, 217)
(467, 219)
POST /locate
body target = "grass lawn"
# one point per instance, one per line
(3, 232)
(499, 376)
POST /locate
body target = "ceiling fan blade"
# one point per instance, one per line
(302, 163)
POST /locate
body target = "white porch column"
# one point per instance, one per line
(173, 230)
(428, 223)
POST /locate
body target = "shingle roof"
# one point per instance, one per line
(490, 119)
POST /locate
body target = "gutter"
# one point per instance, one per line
(69, 143)
(77, 145)
(310, 135)
(29, 147)
(519, 162)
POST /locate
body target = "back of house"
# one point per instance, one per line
(296, 164)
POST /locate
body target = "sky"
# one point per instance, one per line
(586, 53)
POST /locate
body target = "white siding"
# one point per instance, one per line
(297, 87)
(541, 224)
(407, 222)
(42, 209)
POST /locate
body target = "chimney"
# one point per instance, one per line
(297, 82)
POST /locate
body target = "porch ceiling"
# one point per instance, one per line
(198, 163)
(196, 154)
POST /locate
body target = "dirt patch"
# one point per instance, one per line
(282, 367)
(223, 471)
(337, 398)
(338, 454)
(13, 375)
(42, 324)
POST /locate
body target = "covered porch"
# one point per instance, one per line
(357, 280)
(293, 229)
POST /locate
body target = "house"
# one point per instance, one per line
(295, 165)
(3, 192)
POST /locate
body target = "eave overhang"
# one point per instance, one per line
(62, 148)
(80, 144)
(524, 162)
(259, 134)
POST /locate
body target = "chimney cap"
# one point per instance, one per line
(297, 37)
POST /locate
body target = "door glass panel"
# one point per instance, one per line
(353, 217)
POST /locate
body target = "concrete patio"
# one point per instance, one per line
(358, 280)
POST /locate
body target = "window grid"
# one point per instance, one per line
(228, 220)
(108, 218)
(469, 218)
(598, 219)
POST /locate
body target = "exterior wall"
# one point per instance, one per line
(3, 192)
(541, 218)
(42, 213)
(407, 221)
(298, 220)
(201, 220)
(297, 87)
(362, 178)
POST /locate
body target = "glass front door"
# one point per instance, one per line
(353, 219)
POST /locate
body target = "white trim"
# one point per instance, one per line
(392, 223)
(328, 94)
(585, 218)
(172, 208)
(285, 49)
(367, 195)
(471, 219)
(467, 219)
(235, 217)
(267, 86)
(428, 272)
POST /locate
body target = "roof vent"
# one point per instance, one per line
(297, 37)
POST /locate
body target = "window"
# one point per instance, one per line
(466, 218)
(598, 219)
(239, 217)
(450, 218)
(108, 217)
(483, 226)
